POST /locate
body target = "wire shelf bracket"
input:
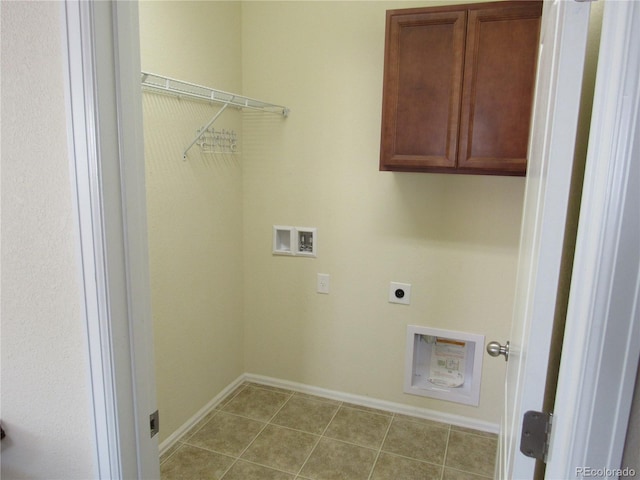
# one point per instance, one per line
(171, 86)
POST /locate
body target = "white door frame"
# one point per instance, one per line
(107, 171)
(602, 336)
(108, 178)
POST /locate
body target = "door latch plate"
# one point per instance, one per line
(536, 430)
(154, 423)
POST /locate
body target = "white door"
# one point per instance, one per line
(560, 67)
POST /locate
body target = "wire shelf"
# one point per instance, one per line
(171, 86)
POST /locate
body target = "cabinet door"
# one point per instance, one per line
(500, 64)
(424, 57)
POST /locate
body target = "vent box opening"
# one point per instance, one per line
(443, 364)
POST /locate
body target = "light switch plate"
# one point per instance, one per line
(400, 293)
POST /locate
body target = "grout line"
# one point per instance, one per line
(186, 436)
(446, 450)
(201, 424)
(384, 438)
(270, 467)
(184, 440)
(284, 427)
(391, 454)
(479, 475)
(320, 437)
(237, 391)
(177, 447)
(211, 414)
(266, 424)
(207, 450)
(281, 407)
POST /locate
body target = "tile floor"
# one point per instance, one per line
(266, 433)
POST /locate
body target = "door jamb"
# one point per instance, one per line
(104, 112)
(601, 345)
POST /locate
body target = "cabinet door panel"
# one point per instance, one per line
(423, 86)
(499, 77)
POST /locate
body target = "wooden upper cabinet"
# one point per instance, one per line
(458, 88)
(423, 88)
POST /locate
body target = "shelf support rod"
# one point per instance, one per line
(204, 129)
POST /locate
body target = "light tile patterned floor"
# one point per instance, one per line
(266, 433)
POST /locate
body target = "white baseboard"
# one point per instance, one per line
(200, 414)
(361, 400)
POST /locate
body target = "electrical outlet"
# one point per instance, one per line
(400, 293)
(323, 281)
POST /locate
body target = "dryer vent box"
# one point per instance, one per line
(444, 364)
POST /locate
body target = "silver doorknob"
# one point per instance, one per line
(494, 349)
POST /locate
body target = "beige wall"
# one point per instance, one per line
(45, 386)
(223, 304)
(46, 397)
(194, 208)
(454, 238)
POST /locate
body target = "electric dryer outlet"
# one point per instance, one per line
(400, 293)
